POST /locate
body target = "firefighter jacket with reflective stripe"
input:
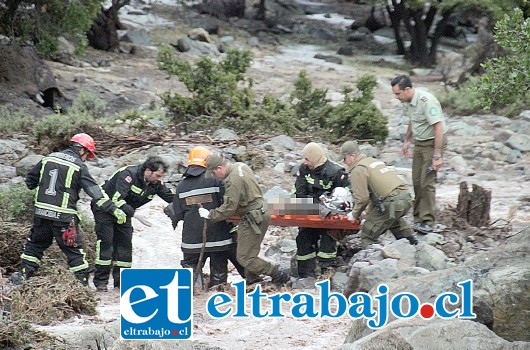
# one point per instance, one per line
(207, 191)
(128, 190)
(312, 183)
(242, 193)
(370, 174)
(58, 178)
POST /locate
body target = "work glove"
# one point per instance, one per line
(204, 213)
(121, 217)
(70, 235)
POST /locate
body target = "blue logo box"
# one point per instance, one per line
(156, 304)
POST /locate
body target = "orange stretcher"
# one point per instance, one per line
(332, 222)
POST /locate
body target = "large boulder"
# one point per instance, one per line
(434, 335)
(24, 74)
(501, 291)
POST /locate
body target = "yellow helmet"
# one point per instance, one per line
(198, 156)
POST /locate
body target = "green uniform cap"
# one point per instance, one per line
(347, 148)
(213, 161)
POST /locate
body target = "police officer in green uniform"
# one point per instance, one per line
(381, 192)
(243, 197)
(427, 125)
(58, 179)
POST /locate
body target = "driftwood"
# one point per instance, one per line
(474, 206)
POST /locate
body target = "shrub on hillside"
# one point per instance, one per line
(310, 105)
(16, 203)
(357, 118)
(86, 114)
(13, 120)
(463, 100)
(220, 93)
(221, 96)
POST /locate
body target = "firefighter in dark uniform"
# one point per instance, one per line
(58, 178)
(196, 189)
(316, 176)
(128, 188)
(381, 192)
(243, 197)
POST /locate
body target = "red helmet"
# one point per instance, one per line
(86, 141)
(198, 156)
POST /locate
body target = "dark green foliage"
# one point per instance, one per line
(13, 120)
(16, 203)
(42, 23)
(85, 115)
(310, 105)
(464, 100)
(357, 118)
(221, 96)
(507, 78)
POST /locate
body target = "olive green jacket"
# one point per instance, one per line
(242, 193)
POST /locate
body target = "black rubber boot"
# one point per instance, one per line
(101, 276)
(307, 268)
(218, 275)
(280, 277)
(116, 277)
(82, 276)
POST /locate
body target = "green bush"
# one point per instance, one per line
(220, 93)
(310, 105)
(141, 119)
(13, 120)
(86, 114)
(16, 203)
(357, 118)
(463, 100)
(507, 78)
(221, 96)
(87, 104)
(42, 23)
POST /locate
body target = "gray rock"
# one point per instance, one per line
(283, 142)
(253, 42)
(199, 34)
(225, 43)
(207, 24)
(380, 272)
(459, 164)
(519, 142)
(137, 37)
(525, 115)
(280, 168)
(26, 163)
(339, 281)
(276, 192)
(430, 258)
(461, 128)
(184, 44)
(436, 334)
(11, 146)
(7, 172)
(329, 58)
(225, 135)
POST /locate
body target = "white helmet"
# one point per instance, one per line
(340, 200)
